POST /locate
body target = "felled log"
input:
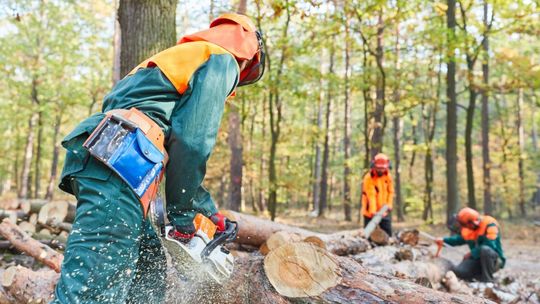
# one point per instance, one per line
(23, 285)
(383, 260)
(454, 285)
(301, 269)
(354, 284)
(255, 231)
(60, 210)
(409, 237)
(278, 239)
(379, 237)
(12, 215)
(53, 212)
(33, 248)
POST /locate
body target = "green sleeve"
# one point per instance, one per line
(454, 240)
(194, 126)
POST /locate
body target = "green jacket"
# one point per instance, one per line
(190, 121)
(487, 234)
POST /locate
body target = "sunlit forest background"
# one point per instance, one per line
(344, 80)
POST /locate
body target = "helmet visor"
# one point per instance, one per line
(255, 70)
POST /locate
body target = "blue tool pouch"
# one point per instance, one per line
(124, 148)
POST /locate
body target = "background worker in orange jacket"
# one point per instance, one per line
(483, 235)
(377, 191)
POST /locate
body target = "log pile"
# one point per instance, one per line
(46, 222)
(275, 263)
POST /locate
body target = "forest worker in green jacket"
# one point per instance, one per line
(174, 101)
(483, 235)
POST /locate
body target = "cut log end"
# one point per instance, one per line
(8, 276)
(301, 269)
(409, 237)
(316, 241)
(379, 237)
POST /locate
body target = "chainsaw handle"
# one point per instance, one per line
(227, 236)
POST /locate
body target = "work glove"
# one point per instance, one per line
(220, 220)
(182, 233)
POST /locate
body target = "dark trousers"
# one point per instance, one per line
(385, 224)
(481, 269)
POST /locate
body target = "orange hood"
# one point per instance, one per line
(230, 36)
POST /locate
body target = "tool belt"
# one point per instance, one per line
(132, 145)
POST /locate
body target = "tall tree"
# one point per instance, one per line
(235, 141)
(347, 121)
(380, 101)
(486, 164)
(147, 27)
(276, 111)
(326, 147)
(451, 112)
(521, 151)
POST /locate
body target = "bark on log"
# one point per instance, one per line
(249, 284)
(24, 285)
(33, 248)
(255, 231)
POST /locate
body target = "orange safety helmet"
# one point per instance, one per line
(237, 34)
(380, 161)
(468, 216)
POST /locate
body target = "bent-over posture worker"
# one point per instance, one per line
(483, 235)
(174, 101)
(377, 191)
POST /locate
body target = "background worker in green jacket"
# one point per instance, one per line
(112, 254)
(483, 235)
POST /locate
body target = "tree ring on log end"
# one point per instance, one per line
(301, 270)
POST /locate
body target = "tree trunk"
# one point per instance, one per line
(55, 154)
(147, 27)
(28, 154)
(397, 126)
(236, 145)
(451, 120)
(468, 133)
(275, 109)
(486, 163)
(347, 202)
(317, 163)
(367, 101)
(326, 148)
(37, 164)
(378, 113)
(521, 146)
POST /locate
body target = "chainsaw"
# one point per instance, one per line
(204, 252)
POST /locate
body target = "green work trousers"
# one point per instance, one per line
(112, 254)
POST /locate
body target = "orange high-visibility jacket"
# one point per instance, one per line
(376, 192)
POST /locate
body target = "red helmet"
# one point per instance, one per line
(468, 216)
(381, 162)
